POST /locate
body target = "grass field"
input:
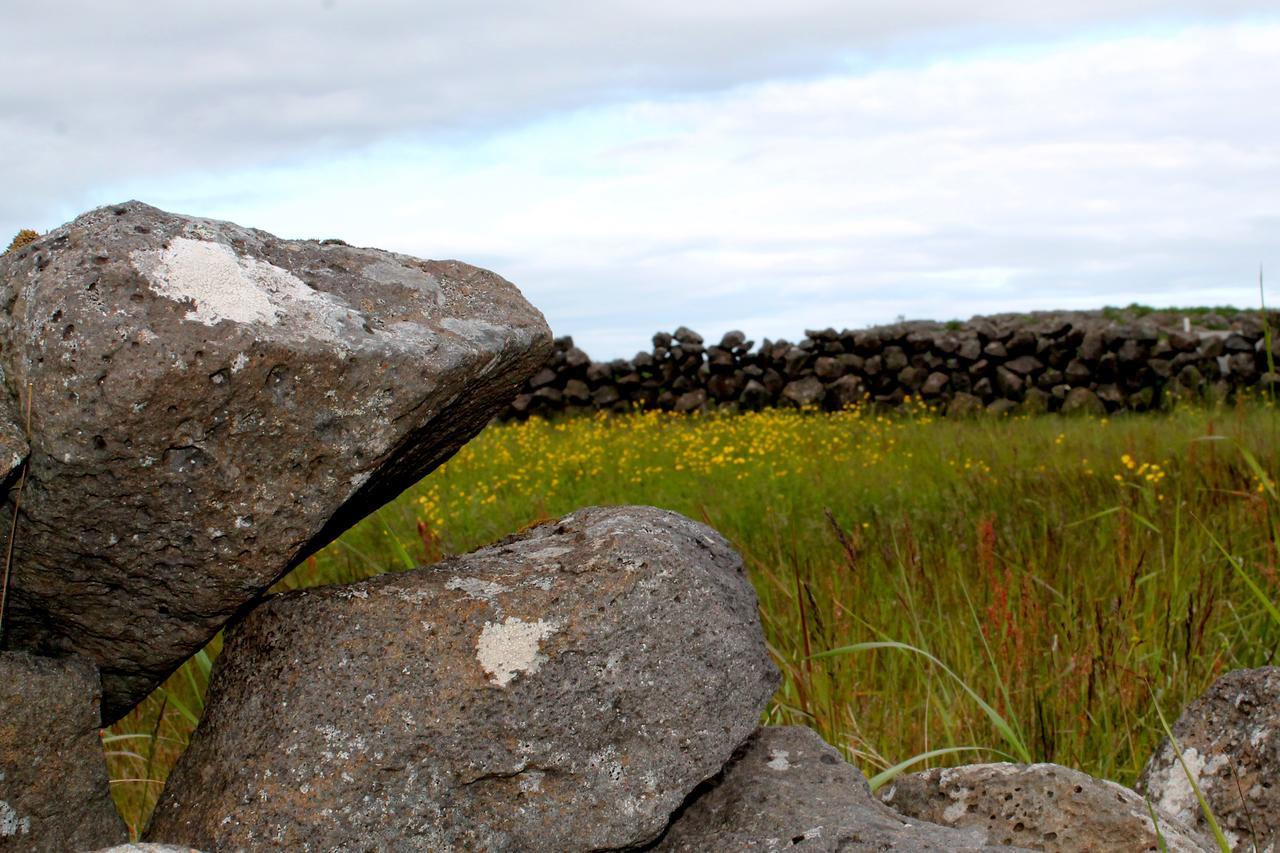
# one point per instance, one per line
(1054, 579)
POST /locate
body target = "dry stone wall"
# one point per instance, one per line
(1067, 363)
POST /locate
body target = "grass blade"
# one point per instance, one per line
(1223, 844)
(889, 774)
(1001, 725)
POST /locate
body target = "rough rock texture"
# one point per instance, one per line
(146, 847)
(1230, 740)
(13, 441)
(53, 778)
(1037, 806)
(1028, 363)
(564, 689)
(785, 789)
(210, 404)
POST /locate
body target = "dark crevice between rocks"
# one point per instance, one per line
(704, 787)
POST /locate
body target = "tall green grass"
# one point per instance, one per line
(933, 591)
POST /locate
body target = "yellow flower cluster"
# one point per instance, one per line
(1147, 475)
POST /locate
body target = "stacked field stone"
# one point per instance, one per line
(1070, 363)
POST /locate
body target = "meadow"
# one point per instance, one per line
(934, 591)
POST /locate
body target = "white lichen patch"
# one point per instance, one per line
(1173, 785)
(10, 823)
(239, 363)
(389, 272)
(512, 647)
(221, 284)
(476, 588)
(605, 761)
(959, 806)
(531, 781)
(550, 552)
(778, 759)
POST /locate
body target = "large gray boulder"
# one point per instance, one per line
(1230, 741)
(562, 690)
(786, 789)
(210, 404)
(53, 777)
(1037, 806)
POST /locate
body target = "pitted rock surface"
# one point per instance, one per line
(786, 789)
(210, 404)
(564, 689)
(146, 847)
(13, 441)
(1037, 806)
(54, 794)
(1230, 740)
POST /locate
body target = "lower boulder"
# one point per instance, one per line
(1037, 806)
(787, 789)
(53, 776)
(564, 689)
(1230, 741)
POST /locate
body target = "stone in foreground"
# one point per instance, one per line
(53, 778)
(211, 404)
(1230, 740)
(1037, 806)
(786, 789)
(564, 689)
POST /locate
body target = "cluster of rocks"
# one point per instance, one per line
(209, 404)
(1051, 363)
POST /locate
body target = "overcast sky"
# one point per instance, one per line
(634, 166)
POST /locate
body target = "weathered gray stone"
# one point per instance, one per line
(786, 789)
(935, 384)
(805, 392)
(1024, 365)
(211, 404)
(1083, 401)
(691, 401)
(1037, 806)
(53, 777)
(1001, 406)
(1230, 741)
(964, 405)
(562, 690)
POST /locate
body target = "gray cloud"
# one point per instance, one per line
(96, 93)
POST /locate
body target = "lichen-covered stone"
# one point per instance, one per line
(210, 404)
(1037, 806)
(562, 690)
(1230, 741)
(785, 789)
(54, 794)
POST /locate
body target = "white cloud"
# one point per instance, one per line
(1119, 168)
